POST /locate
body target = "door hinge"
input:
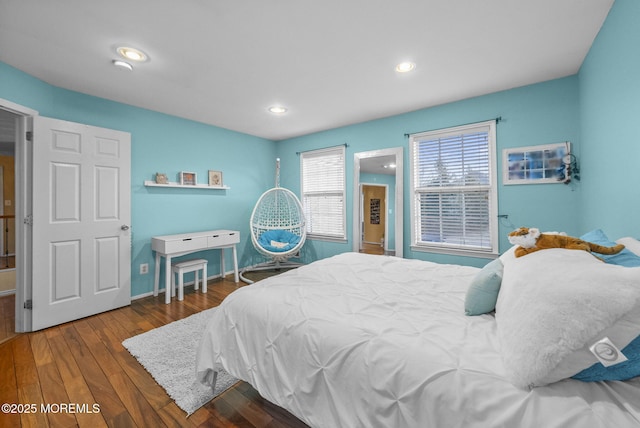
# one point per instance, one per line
(28, 220)
(28, 304)
(29, 135)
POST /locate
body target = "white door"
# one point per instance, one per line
(81, 218)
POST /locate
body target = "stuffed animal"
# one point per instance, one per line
(530, 240)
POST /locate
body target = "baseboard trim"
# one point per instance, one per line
(186, 284)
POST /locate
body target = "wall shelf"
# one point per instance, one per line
(150, 183)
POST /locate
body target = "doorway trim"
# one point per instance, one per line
(22, 210)
(398, 152)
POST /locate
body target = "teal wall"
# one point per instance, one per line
(597, 110)
(162, 143)
(538, 114)
(610, 124)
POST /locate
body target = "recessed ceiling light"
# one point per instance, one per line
(277, 109)
(132, 54)
(122, 64)
(405, 67)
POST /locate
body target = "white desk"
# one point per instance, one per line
(169, 246)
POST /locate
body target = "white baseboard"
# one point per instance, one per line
(7, 292)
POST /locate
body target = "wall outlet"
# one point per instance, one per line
(144, 268)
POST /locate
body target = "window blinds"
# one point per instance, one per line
(323, 192)
(452, 184)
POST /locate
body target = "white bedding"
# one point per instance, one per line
(358, 340)
(547, 322)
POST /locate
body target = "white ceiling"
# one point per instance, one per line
(330, 62)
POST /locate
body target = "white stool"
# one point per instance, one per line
(184, 267)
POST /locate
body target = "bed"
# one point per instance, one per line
(359, 340)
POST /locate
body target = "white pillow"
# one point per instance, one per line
(555, 302)
(630, 244)
(508, 255)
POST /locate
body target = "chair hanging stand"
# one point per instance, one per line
(277, 228)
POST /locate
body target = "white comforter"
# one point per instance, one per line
(373, 341)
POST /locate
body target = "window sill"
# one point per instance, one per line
(326, 238)
(455, 252)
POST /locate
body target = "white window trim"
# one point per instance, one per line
(442, 248)
(318, 236)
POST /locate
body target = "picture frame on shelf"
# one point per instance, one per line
(187, 178)
(161, 178)
(215, 178)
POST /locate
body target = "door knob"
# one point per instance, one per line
(124, 227)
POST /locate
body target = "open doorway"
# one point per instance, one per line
(374, 231)
(383, 167)
(19, 117)
(8, 127)
(98, 289)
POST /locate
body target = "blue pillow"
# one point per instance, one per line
(622, 371)
(623, 258)
(287, 240)
(482, 294)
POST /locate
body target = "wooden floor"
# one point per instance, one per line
(7, 317)
(83, 362)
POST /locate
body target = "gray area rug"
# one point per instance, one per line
(168, 353)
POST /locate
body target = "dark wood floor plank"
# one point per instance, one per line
(117, 331)
(138, 408)
(100, 353)
(30, 394)
(112, 409)
(148, 387)
(8, 385)
(84, 362)
(7, 317)
(49, 379)
(121, 316)
(54, 398)
(281, 417)
(106, 334)
(25, 366)
(173, 417)
(225, 412)
(247, 408)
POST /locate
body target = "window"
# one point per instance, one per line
(454, 190)
(323, 192)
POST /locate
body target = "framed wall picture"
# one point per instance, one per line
(535, 164)
(188, 178)
(374, 211)
(215, 178)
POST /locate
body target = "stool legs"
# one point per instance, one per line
(180, 285)
(204, 279)
(180, 271)
(173, 285)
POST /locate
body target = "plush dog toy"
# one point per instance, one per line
(530, 240)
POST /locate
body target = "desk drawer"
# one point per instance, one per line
(187, 244)
(221, 239)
